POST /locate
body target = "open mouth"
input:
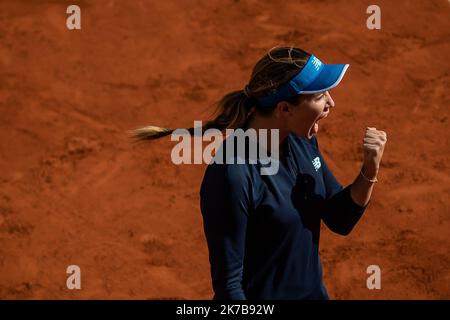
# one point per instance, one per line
(315, 127)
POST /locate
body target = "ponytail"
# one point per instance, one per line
(233, 111)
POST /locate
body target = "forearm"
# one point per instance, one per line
(343, 210)
(361, 190)
(341, 213)
(373, 146)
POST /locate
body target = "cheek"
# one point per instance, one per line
(313, 111)
(301, 121)
(306, 115)
(318, 107)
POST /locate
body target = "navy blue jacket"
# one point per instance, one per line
(263, 230)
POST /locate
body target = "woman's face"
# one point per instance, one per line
(304, 120)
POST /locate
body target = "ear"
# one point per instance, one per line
(284, 109)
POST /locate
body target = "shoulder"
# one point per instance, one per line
(226, 185)
(227, 173)
(227, 177)
(232, 167)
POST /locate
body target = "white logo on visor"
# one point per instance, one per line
(316, 63)
(316, 163)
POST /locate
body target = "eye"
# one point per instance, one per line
(320, 96)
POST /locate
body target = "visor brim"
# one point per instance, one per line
(329, 77)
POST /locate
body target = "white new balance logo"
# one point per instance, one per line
(316, 163)
(316, 63)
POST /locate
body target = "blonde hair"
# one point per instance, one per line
(235, 109)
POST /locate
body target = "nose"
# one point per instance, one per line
(330, 100)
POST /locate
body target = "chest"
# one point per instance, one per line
(293, 197)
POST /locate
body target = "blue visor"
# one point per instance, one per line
(314, 77)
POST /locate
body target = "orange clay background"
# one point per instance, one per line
(74, 190)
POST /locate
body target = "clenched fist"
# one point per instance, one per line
(373, 147)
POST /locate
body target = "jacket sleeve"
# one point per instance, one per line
(224, 204)
(340, 212)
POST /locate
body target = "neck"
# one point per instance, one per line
(260, 122)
